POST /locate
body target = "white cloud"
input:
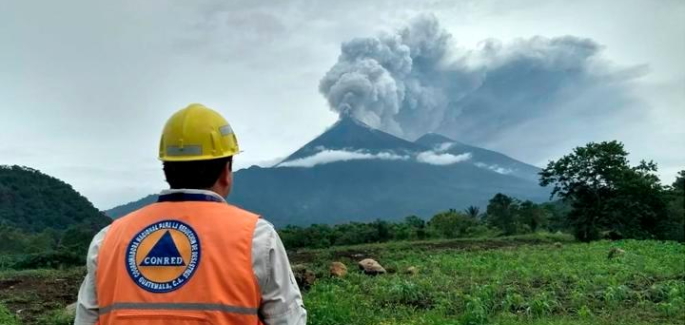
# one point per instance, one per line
(433, 158)
(444, 146)
(330, 156)
(495, 168)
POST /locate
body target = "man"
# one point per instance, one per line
(191, 258)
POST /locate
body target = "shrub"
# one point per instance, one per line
(6, 317)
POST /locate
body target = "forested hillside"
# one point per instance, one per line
(32, 201)
(43, 220)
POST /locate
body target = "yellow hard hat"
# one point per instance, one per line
(197, 133)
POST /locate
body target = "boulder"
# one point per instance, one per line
(371, 267)
(71, 309)
(304, 277)
(615, 252)
(412, 270)
(338, 269)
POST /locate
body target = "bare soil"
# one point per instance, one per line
(31, 295)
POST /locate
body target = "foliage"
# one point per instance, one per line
(452, 224)
(6, 317)
(58, 259)
(48, 249)
(529, 285)
(32, 201)
(542, 284)
(56, 317)
(674, 226)
(607, 195)
(512, 216)
(502, 212)
(464, 281)
(43, 221)
(473, 212)
(505, 216)
(449, 224)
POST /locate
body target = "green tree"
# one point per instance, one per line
(502, 213)
(382, 230)
(533, 216)
(557, 212)
(473, 212)
(452, 224)
(76, 238)
(32, 201)
(418, 227)
(45, 241)
(607, 194)
(674, 227)
(13, 241)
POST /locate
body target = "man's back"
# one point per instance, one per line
(192, 259)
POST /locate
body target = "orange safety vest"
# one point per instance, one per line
(185, 260)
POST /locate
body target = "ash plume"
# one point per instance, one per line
(416, 81)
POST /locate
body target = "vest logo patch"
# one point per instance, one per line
(163, 256)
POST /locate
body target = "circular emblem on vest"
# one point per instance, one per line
(163, 256)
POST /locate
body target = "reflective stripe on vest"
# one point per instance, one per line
(178, 306)
(184, 256)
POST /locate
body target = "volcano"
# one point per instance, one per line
(353, 172)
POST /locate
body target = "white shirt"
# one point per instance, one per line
(281, 298)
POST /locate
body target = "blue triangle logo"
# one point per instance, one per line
(164, 253)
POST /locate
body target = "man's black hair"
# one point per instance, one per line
(201, 174)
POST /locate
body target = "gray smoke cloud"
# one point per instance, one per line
(416, 81)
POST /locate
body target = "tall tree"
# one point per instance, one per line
(606, 193)
(501, 213)
(675, 226)
(473, 212)
(452, 224)
(533, 216)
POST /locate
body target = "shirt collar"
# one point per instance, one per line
(211, 194)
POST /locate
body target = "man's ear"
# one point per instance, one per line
(227, 174)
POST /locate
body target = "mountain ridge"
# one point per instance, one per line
(353, 172)
(32, 201)
(350, 133)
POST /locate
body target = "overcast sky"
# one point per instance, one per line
(86, 86)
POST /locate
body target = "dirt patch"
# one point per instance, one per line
(29, 296)
(7, 284)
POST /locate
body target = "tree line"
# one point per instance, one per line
(44, 222)
(504, 216)
(596, 193)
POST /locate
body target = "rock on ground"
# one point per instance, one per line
(371, 267)
(615, 252)
(305, 277)
(338, 269)
(71, 309)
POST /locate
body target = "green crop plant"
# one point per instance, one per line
(499, 282)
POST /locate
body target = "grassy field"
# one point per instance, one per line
(522, 280)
